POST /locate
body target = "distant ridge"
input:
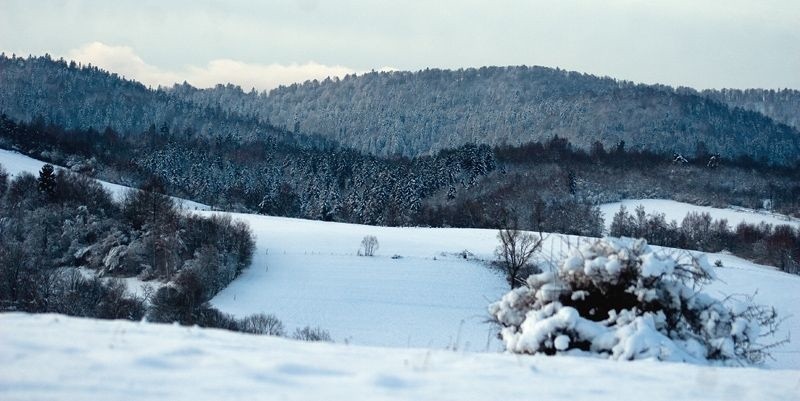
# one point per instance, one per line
(412, 113)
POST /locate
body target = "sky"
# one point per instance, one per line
(262, 44)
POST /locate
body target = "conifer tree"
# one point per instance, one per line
(47, 180)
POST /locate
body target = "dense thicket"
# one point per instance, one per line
(325, 183)
(404, 113)
(62, 238)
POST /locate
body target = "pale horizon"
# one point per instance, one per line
(704, 45)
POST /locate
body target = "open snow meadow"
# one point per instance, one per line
(409, 322)
(308, 273)
(418, 290)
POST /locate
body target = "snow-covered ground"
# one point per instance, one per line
(674, 210)
(308, 273)
(430, 299)
(15, 163)
(119, 360)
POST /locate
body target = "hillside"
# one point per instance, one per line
(419, 289)
(410, 113)
(74, 96)
(308, 273)
(418, 296)
(140, 361)
(779, 105)
(15, 163)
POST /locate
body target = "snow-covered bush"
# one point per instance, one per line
(620, 299)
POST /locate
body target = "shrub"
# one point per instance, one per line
(208, 317)
(368, 246)
(169, 305)
(312, 334)
(117, 304)
(619, 299)
(72, 294)
(262, 324)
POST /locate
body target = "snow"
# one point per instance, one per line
(674, 210)
(16, 163)
(561, 342)
(653, 265)
(121, 360)
(770, 287)
(533, 317)
(308, 273)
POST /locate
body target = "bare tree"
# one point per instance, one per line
(369, 245)
(514, 253)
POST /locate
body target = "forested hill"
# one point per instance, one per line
(780, 105)
(72, 96)
(411, 113)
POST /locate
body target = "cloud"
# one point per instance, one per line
(260, 76)
(709, 43)
(124, 61)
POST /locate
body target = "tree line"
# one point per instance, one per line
(550, 186)
(777, 246)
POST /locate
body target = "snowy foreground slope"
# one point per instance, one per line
(52, 357)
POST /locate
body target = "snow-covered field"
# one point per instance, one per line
(674, 210)
(429, 298)
(307, 273)
(46, 357)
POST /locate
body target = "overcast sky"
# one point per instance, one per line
(699, 43)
